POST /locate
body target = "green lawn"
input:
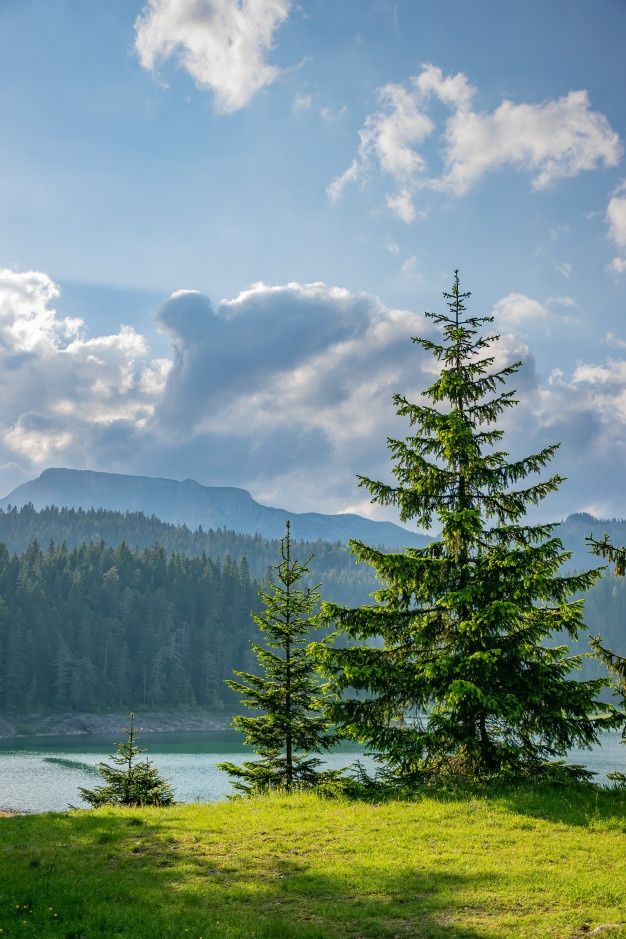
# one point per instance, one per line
(524, 864)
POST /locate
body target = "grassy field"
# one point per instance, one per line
(525, 864)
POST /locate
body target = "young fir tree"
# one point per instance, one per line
(289, 726)
(614, 662)
(134, 782)
(466, 678)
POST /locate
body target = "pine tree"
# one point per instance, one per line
(289, 727)
(467, 678)
(134, 782)
(615, 663)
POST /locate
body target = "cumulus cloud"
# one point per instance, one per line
(295, 380)
(222, 44)
(616, 218)
(550, 140)
(516, 309)
(58, 383)
(518, 312)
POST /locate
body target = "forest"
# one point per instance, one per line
(333, 565)
(96, 627)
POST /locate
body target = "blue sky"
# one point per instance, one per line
(176, 174)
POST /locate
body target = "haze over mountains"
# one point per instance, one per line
(189, 503)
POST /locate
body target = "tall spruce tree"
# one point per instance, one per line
(467, 678)
(289, 726)
(615, 663)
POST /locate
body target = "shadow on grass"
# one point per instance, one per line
(142, 875)
(580, 805)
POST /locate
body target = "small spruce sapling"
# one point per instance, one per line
(130, 781)
(289, 725)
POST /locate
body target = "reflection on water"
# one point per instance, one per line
(44, 774)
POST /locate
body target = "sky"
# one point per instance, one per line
(221, 222)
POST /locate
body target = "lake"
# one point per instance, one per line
(41, 774)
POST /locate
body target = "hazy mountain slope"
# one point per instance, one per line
(189, 503)
(575, 529)
(332, 564)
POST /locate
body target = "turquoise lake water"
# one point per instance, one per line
(41, 774)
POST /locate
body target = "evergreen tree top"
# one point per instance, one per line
(451, 466)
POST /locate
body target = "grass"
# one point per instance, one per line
(523, 864)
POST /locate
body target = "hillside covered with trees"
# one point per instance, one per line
(99, 628)
(333, 565)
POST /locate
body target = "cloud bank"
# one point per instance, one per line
(551, 140)
(59, 387)
(222, 44)
(282, 389)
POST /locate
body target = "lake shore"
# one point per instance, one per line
(83, 723)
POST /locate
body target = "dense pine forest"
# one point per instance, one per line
(96, 627)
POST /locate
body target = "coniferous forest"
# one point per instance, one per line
(103, 628)
(333, 564)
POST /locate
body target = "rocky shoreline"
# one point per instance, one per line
(71, 724)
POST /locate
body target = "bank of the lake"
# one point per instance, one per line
(39, 774)
(88, 723)
(542, 863)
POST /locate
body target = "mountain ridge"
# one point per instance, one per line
(190, 503)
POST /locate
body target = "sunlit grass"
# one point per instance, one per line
(526, 864)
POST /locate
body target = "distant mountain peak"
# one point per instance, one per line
(192, 504)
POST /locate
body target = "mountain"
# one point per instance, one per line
(575, 529)
(189, 503)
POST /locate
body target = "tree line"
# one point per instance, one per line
(333, 564)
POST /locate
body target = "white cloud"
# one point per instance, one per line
(551, 140)
(283, 389)
(616, 218)
(57, 384)
(517, 310)
(222, 44)
(387, 140)
(612, 340)
(27, 322)
(409, 267)
(613, 372)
